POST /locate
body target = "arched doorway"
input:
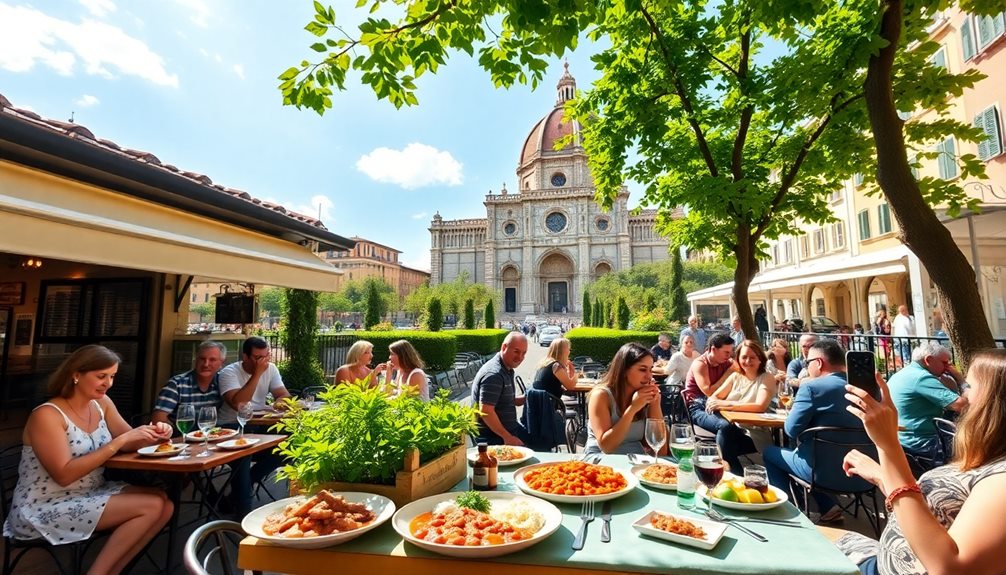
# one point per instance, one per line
(601, 269)
(556, 276)
(511, 284)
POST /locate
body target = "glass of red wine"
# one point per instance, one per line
(708, 464)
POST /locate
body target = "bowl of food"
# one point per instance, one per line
(476, 525)
(574, 481)
(684, 529)
(325, 519)
(504, 454)
(663, 475)
(731, 493)
(161, 450)
(239, 443)
(214, 434)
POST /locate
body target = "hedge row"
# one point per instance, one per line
(437, 348)
(481, 341)
(602, 343)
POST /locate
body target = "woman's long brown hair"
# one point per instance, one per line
(627, 356)
(981, 430)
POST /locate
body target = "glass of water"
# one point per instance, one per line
(206, 420)
(656, 435)
(245, 413)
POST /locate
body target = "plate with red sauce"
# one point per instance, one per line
(471, 534)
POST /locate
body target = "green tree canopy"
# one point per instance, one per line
(270, 301)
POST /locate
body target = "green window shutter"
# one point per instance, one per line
(983, 146)
(998, 25)
(939, 58)
(983, 24)
(994, 131)
(883, 219)
(967, 39)
(947, 159)
(864, 225)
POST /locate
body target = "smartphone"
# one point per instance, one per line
(861, 371)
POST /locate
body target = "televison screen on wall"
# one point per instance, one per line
(235, 308)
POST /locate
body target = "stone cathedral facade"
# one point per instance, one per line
(541, 244)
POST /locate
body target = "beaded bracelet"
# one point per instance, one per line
(910, 488)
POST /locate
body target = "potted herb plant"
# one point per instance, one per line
(364, 440)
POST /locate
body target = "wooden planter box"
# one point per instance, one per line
(414, 481)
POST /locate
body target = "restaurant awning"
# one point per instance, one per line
(40, 228)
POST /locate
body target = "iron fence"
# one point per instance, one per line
(332, 349)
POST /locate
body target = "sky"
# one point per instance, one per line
(194, 83)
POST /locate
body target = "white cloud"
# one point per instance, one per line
(239, 70)
(99, 8)
(419, 216)
(86, 101)
(217, 57)
(415, 166)
(311, 210)
(29, 37)
(199, 11)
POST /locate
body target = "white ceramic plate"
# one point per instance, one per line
(714, 531)
(473, 454)
(383, 507)
(638, 470)
(701, 491)
(151, 450)
(518, 477)
(191, 436)
(405, 515)
(233, 443)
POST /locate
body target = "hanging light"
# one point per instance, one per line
(31, 263)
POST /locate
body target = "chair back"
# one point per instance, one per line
(222, 539)
(10, 460)
(698, 431)
(829, 446)
(520, 384)
(946, 430)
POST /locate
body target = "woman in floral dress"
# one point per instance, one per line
(61, 494)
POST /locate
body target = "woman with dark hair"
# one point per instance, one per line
(61, 493)
(948, 521)
(778, 359)
(408, 366)
(620, 405)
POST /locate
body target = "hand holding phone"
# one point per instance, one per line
(861, 371)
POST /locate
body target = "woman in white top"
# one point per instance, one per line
(61, 493)
(681, 361)
(750, 389)
(778, 359)
(408, 366)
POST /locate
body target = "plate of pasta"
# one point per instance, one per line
(574, 481)
(321, 520)
(505, 454)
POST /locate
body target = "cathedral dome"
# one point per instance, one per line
(547, 131)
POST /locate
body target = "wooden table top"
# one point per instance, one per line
(192, 464)
(769, 420)
(585, 385)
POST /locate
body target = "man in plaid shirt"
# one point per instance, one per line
(197, 387)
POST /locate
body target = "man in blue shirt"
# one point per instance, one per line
(198, 387)
(698, 334)
(796, 370)
(920, 395)
(820, 401)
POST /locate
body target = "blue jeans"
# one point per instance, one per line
(781, 462)
(733, 441)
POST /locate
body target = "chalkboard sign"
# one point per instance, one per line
(235, 308)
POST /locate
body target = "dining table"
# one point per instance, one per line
(789, 550)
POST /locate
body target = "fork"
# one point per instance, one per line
(717, 516)
(586, 515)
(758, 536)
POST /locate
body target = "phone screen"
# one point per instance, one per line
(861, 371)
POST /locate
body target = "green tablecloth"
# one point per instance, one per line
(789, 550)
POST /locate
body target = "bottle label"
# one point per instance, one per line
(480, 478)
(491, 478)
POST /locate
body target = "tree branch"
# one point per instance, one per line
(737, 157)
(682, 93)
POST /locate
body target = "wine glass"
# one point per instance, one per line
(785, 396)
(185, 421)
(245, 412)
(708, 464)
(656, 435)
(207, 420)
(682, 441)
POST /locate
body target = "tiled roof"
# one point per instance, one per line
(81, 133)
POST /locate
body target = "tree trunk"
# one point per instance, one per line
(921, 230)
(747, 268)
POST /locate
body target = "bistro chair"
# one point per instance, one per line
(520, 384)
(222, 538)
(700, 432)
(829, 447)
(15, 549)
(946, 430)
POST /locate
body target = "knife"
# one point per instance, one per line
(606, 525)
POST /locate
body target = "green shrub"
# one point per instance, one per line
(299, 337)
(490, 317)
(650, 321)
(481, 341)
(436, 348)
(383, 326)
(601, 344)
(469, 317)
(434, 314)
(622, 312)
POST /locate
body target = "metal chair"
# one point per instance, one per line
(15, 549)
(225, 537)
(832, 444)
(520, 384)
(946, 430)
(700, 432)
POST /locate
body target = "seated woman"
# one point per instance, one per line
(620, 405)
(357, 365)
(408, 366)
(555, 372)
(61, 493)
(778, 359)
(681, 361)
(947, 522)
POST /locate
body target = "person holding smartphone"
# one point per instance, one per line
(919, 394)
(948, 521)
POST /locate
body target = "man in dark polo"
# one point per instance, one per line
(493, 392)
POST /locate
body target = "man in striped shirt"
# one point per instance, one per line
(198, 387)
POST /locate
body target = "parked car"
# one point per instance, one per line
(548, 335)
(818, 324)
